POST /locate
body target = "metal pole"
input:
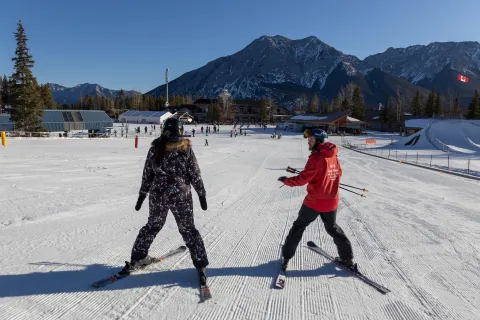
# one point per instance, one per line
(468, 171)
(448, 161)
(396, 154)
(431, 156)
(417, 157)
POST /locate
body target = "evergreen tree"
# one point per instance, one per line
(336, 104)
(5, 95)
(263, 111)
(430, 104)
(417, 104)
(387, 113)
(437, 107)
(457, 111)
(26, 100)
(474, 107)
(358, 111)
(47, 98)
(314, 104)
(121, 100)
(344, 104)
(128, 103)
(213, 113)
(80, 103)
(89, 103)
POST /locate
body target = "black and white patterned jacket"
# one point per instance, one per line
(177, 171)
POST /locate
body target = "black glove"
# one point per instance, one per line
(203, 202)
(141, 198)
(281, 179)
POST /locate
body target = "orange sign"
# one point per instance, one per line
(371, 141)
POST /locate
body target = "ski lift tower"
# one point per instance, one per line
(166, 82)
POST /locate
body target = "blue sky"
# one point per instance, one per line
(129, 44)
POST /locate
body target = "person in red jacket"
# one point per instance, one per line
(322, 173)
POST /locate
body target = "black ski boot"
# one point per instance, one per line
(205, 293)
(284, 264)
(135, 265)
(347, 263)
(202, 276)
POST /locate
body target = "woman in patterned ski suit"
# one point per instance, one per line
(170, 168)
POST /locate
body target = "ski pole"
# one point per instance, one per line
(362, 195)
(292, 170)
(346, 185)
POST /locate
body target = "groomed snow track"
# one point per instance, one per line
(67, 219)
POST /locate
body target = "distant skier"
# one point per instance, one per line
(206, 142)
(322, 173)
(170, 168)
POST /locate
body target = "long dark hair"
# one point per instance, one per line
(159, 145)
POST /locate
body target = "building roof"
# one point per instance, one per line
(60, 120)
(146, 114)
(327, 117)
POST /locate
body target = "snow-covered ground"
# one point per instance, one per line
(67, 219)
(448, 145)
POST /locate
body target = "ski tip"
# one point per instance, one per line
(183, 248)
(311, 244)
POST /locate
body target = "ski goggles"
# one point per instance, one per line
(307, 133)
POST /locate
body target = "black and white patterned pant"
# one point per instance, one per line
(182, 210)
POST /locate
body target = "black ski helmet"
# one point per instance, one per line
(172, 129)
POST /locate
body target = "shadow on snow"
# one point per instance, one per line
(53, 282)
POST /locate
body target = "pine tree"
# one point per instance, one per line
(387, 113)
(417, 104)
(344, 105)
(437, 107)
(26, 100)
(457, 111)
(80, 103)
(474, 107)
(358, 111)
(430, 104)
(88, 103)
(5, 96)
(314, 104)
(263, 114)
(47, 98)
(336, 104)
(121, 100)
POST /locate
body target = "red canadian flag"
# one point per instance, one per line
(462, 78)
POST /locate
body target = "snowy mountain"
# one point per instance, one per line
(71, 95)
(285, 69)
(434, 66)
(420, 62)
(375, 84)
(262, 67)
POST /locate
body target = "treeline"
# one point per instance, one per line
(118, 104)
(394, 108)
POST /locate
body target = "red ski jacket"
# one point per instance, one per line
(322, 173)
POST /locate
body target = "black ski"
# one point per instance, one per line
(356, 273)
(118, 276)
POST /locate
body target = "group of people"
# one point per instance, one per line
(171, 168)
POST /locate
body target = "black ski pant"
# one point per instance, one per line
(306, 216)
(183, 213)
